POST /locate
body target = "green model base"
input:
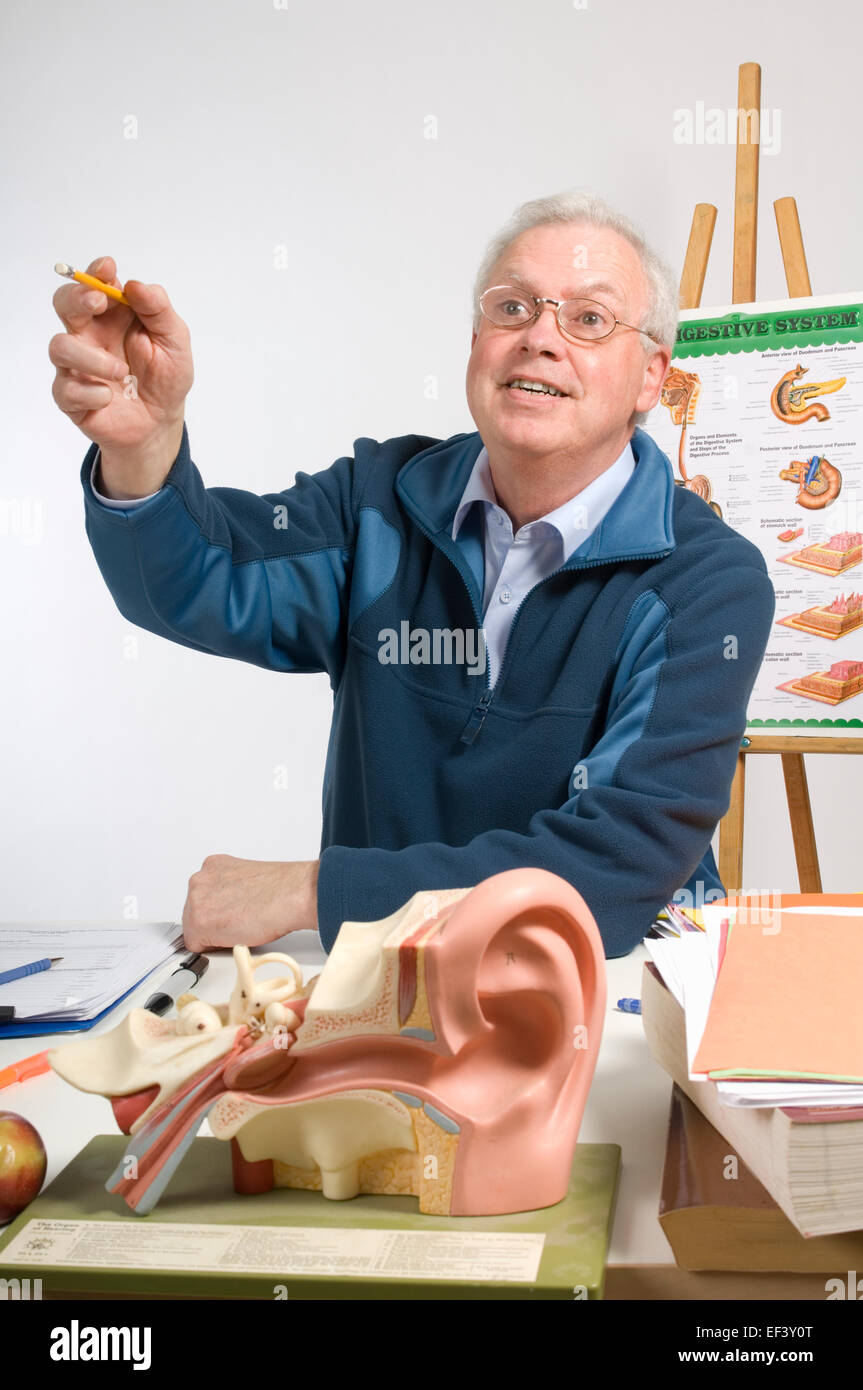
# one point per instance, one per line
(259, 1263)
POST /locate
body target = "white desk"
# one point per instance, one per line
(628, 1105)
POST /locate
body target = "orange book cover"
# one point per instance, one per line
(787, 1001)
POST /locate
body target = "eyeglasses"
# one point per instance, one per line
(582, 320)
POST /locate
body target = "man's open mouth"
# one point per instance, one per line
(524, 386)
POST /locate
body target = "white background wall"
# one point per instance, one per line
(305, 127)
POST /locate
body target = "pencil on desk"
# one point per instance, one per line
(84, 279)
(6, 976)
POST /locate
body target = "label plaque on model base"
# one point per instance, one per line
(206, 1241)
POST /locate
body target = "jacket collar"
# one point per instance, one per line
(639, 523)
(569, 523)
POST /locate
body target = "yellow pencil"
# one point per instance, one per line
(84, 279)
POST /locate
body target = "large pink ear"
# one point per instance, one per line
(517, 986)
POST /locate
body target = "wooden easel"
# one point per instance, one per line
(790, 748)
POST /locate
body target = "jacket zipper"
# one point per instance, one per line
(473, 727)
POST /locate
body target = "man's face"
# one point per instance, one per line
(604, 382)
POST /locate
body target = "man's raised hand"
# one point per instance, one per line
(123, 375)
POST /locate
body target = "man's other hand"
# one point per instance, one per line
(249, 901)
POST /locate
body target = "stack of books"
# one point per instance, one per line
(756, 1016)
(716, 1215)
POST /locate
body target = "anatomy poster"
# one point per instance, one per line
(761, 415)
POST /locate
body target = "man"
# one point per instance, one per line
(624, 621)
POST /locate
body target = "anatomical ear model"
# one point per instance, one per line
(445, 1052)
(818, 482)
(680, 392)
(793, 404)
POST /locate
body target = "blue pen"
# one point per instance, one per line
(629, 1006)
(6, 976)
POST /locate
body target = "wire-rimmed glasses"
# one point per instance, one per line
(581, 320)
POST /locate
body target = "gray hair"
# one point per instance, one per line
(661, 314)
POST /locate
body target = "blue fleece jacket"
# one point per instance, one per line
(605, 751)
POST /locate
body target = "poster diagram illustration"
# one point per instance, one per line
(761, 416)
(680, 394)
(793, 403)
(818, 482)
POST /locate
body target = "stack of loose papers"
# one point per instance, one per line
(101, 961)
(771, 995)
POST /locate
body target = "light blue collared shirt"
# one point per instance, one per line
(515, 563)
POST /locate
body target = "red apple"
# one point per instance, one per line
(22, 1164)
